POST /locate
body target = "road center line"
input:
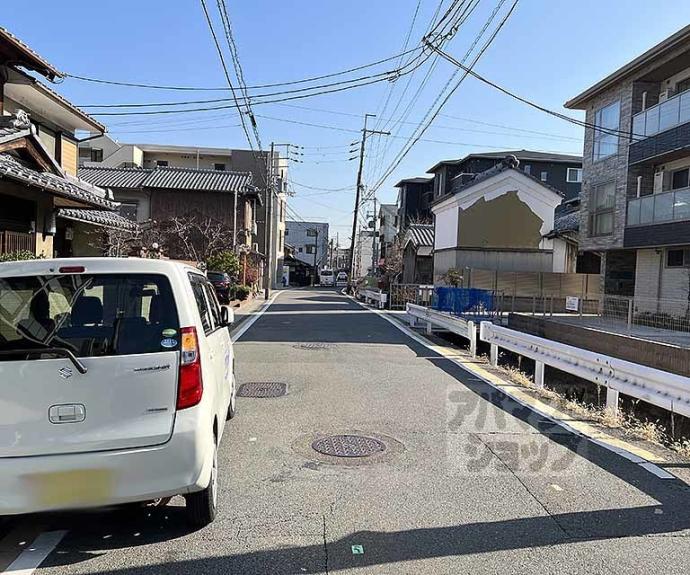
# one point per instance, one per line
(29, 559)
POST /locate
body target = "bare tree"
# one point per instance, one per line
(195, 237)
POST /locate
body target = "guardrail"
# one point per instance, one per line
(661, 388)
(372, 295)
(432, 317)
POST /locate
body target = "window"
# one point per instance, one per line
(311, 233)
(678, 258)
(162, 163)
(201, 303)
(129, 210)
(574, 175)
(528, 169)
(287, 232)
(544, 176)
(300, 250)
(680, 179)
(606, 143)
(92, 315)
(683, 85)
(602, 201)
(213, 305)
(311, 248)
(219, 167)
(96, 155)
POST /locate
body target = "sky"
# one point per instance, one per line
(548, 51)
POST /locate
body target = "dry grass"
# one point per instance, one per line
(645, 430)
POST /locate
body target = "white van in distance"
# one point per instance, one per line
(327, 278)
(116, 379)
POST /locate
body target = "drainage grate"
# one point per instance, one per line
(348, 446)
(262, 389)
(313, 346)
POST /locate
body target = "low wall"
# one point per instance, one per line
(658, 355)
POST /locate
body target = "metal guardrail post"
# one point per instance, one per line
(493, 355)
(539, 374)
(472, 336)
(429, 329)
(612, 400)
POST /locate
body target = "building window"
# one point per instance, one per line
(678, 258)
(311, 248)
(129, 210)
(96, 155)
(311, 233)
(287, 232)
(683, 85)
(300, 250)
(528, 169)
(602, 202)
(574, 176)
(606, 143)
(162, 163)
(680, 179)
(219, 167)
(544, 176)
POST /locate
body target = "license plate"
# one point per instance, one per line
(75, 487)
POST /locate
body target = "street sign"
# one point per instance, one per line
(572, 303)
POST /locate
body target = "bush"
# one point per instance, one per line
(18, 256)
(242, 292)
(226, 262)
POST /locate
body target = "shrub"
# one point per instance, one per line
(18, 256)
(242, 292)
(226, 262)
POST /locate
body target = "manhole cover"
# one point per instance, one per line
(313, 346)
(262, 389)
(348, 445)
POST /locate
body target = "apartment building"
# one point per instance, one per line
(635, 209)
(310, 242)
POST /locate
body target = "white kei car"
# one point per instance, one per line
(116, 379)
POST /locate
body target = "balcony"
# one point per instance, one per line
(662, 131)
(11, 242)
(659, 219)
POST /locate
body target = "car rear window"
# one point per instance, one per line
(89, 314)
(215, 276)
(326, 273)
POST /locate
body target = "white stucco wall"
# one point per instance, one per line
(446, 226)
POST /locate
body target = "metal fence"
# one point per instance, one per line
(637, 315)
(402, 294)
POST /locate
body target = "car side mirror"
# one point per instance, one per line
(227, 315)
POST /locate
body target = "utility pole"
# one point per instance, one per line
(374, 259)
(316, 251)
(358, 192)
(269, 224)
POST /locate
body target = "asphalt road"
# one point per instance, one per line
(469, 482)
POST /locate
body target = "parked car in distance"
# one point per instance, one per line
(116, 380)
(222, 283)
(327, 278)
(341, 279)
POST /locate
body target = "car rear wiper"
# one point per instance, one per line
(81, 368)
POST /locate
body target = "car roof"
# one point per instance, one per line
(93, 265)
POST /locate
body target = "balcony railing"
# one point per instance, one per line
(11, 242)
(660, 208)
(663, 116)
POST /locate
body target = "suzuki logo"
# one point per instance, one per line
(65, 372)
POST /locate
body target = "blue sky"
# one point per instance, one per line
(549, 51)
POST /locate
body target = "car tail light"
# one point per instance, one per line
(191, 386)
(71, 270)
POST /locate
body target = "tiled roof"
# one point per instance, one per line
(103, 218)
(420, 235)
(569, 222)
(115, 177)
(522, 155)
(169, 178)
(14, 126)
(202, 180)
(25, 56)
(67, 187)
(11, 132)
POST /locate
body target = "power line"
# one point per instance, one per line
(483, 49)
(256, 87)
